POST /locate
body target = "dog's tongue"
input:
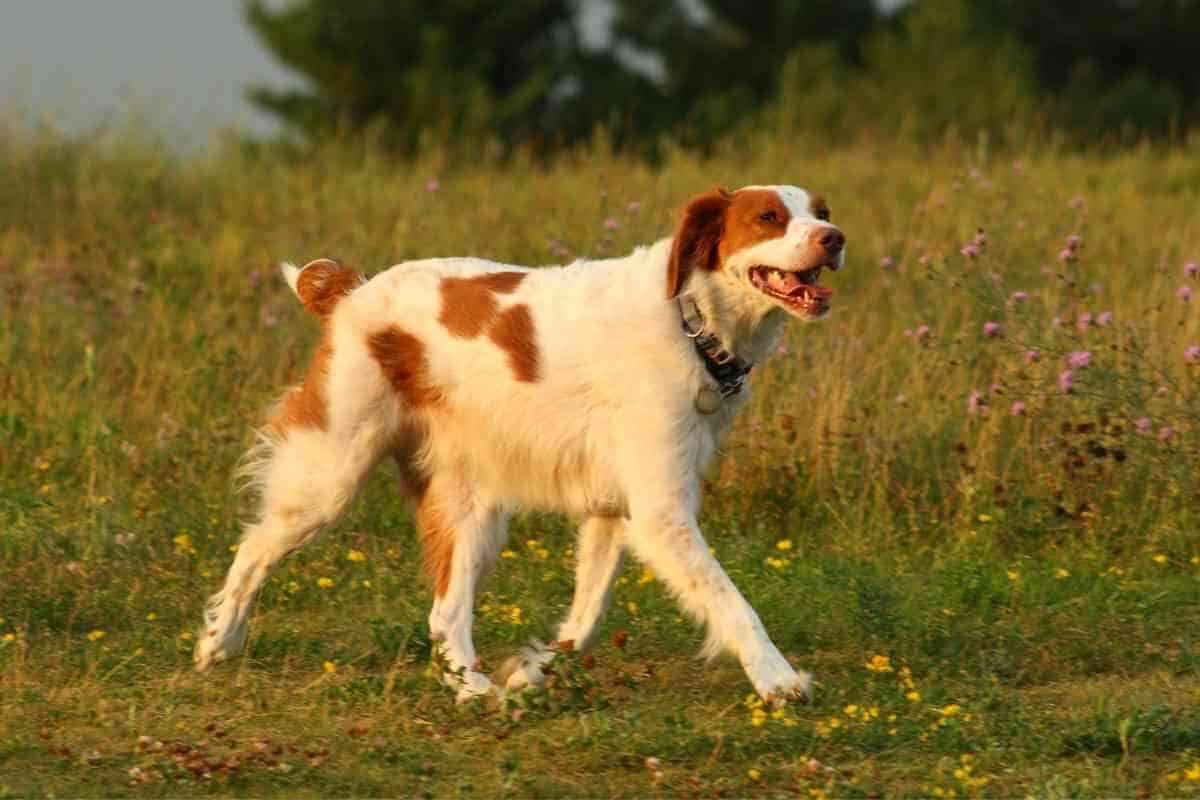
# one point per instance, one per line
(784, 282)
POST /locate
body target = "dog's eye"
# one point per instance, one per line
(769, 216)
(823, 214)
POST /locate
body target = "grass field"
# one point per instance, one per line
(967, 502)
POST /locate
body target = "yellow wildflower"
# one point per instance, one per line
(151, 616)
(647, 576)
(356, 555)
(293, 587)
(9, 637)
(1159, 558)
(507, 554)
(1012, 574)
(325, 583)
(879, 664)
(183, 544)
(951, 710)
(632, 606)
(96, 635)
(1061, 573)
(1192, 773)
(913, 696)
(754, 774)
(758, 717)
(784, 544)
(851, 710)
(330, 667)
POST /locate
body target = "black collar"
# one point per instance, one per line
(728, 370)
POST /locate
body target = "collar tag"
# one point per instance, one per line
(722, 366)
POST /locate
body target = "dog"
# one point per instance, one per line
(599, 389)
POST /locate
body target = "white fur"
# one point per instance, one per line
(609, 433)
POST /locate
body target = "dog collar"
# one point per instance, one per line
(728, 370)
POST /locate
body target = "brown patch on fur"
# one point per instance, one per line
(304, 406)
(437, 541)
(401, 356)
(469, 304)
(513, 332)
(323, 283)
(745, 225)
(697, 238)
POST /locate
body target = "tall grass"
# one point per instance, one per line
(905, 481)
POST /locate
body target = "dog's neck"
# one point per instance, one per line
(749, 330)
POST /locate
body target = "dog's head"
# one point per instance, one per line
(769, 243)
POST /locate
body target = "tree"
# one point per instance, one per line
(458, 69)
(722, 60)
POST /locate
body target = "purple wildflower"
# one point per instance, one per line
(887, 262)
(1083, 321)
(1142, 425)
(969, 250)
(782, 350)
(1066, 380)
(1079, 359)
(924, 259)
(1017, 409)
(1066, 254)
(921, 332)
(1104, 318)
(611, 224)
(433, 185)
(1184, 293)
(1191, 269)
(1192, 353)
(1073, 241)
(1032, 356)
(1017, 297)
(976, 403)
(991, 329)
(1165, 433)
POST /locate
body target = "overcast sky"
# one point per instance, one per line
(184, 63)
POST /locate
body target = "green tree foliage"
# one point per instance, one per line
(465, 69)
(723, 60)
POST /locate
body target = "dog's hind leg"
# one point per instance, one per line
(600, 553)
(306, 477)
(461, 536)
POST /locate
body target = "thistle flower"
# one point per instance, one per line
(1017, 297)
(991, 329)
(433, 185)
(1084, 321)
(1191, 269)
(1079, 359)
(1066, 380)
(1192, 353)
(1066, 254)
(1017, 409)
(1073, 241)
(1104, 318)
(1165, 433)
(969, 250)
(1184, 293)
(1032, 356)
(887, 262)
(1142, 425)
(976, 403)
(611, 224)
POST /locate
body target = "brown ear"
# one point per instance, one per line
(697, 238)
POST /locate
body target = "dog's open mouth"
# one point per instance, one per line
(798, 290)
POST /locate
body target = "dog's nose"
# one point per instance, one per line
(832, 239)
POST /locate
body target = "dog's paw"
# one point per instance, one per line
(471, 686)
(213, 647)
(798, 688)
(776, 682)
(522, 671)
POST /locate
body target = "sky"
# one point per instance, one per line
(183, 64)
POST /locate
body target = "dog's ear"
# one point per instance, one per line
(697, 238)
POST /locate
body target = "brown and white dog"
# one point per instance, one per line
(599, 389)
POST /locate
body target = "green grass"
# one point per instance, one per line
(1032, 580)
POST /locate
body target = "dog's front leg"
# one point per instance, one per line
(667, 537)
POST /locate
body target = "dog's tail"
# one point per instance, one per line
(321, 284)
